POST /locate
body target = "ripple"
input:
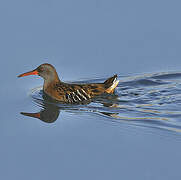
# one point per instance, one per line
(167, 75)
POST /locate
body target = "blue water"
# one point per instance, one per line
(134, 134)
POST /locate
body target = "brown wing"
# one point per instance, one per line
(75, 93)
(95, 89)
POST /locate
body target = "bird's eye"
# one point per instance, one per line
(41, 69)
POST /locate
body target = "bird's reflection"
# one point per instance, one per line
(50, 109)
(48, 114)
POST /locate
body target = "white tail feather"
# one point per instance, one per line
(113, 86)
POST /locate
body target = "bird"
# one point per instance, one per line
(69, 92)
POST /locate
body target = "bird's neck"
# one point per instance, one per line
(50, 82)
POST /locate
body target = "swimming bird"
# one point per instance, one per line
(70, 93)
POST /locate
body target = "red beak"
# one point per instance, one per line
(34, 72)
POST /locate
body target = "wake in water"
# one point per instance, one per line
(150, 100)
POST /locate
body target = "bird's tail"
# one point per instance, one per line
(111, 83)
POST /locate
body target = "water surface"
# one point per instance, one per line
(134, 134)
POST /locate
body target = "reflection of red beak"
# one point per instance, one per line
(34, 72)
(35, 115)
